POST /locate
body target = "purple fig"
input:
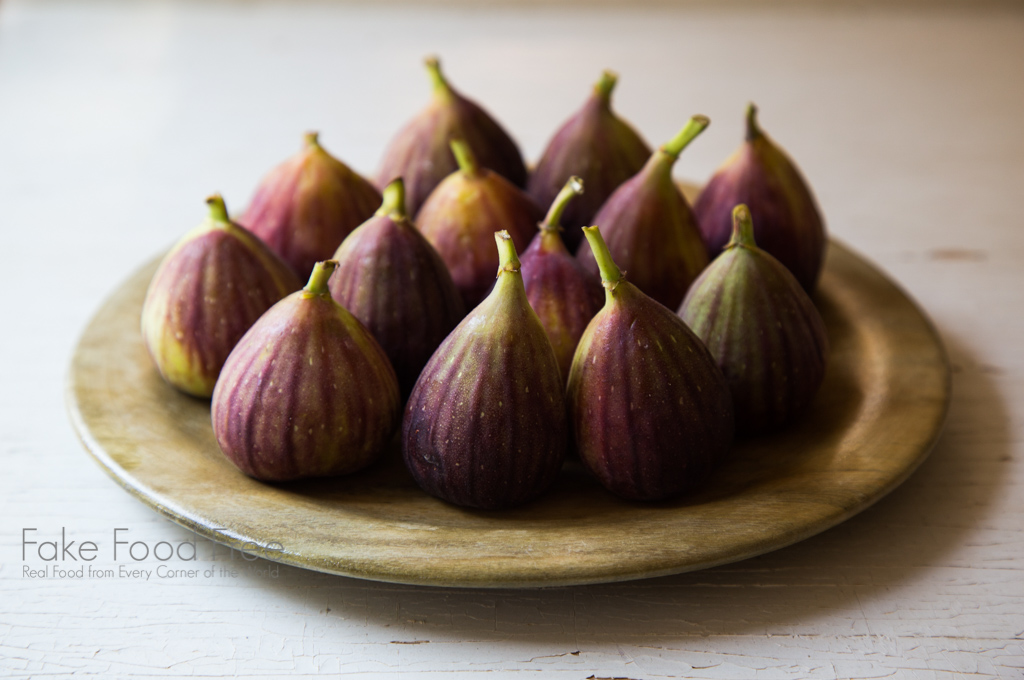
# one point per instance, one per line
(564, 295)
(307, 392)
(598, 147)
(305, 207)
(419, 153)
(485, 426)
(649, 408)
(460, 216)
(761, 327)
(649, 227)
(787, 222)
(209, 289)
(392, 280)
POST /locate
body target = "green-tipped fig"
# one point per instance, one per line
(649, 409)
(392, 280)
(209, 289)
(596, 146)
(307, 392)
(485, 426)
(762, 329)
(420, 154)
(649, 227)
(461, 215)
(564, 295)
(787, 222)
(305, 207)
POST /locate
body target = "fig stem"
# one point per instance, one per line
(605, 85)
(465, 157)
(311, 139)
(742, 228)
(753, 129)
(437, 78)
(218, 211)
(394, 201)
(553, 221)
(318, 279)
(610, 274)
(695, 126)
(508, 260)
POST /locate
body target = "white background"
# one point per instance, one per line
(116, 120)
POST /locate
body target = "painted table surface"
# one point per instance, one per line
(116, 120)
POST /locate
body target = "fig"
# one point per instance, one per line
(598, 147)
(649, 227)
(787, 222)
(650, 410)
(207, 292)
(563, 294)
(305, 207)
(460, 216)
(762, 329)
(307, 392)
(392, 280)
(485, 426)
(419, 153)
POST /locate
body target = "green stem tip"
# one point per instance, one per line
(393, 205)
(610, 273)
(695, 126)
(742, 228)
(465, 157)
(433, 65)
(508, 260)
(606, 84)
(553, 221)
(753, 129)
(318, 279)
(311, 139)
(218, 211)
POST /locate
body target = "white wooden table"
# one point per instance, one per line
(116, 120)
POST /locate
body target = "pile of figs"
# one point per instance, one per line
(496, 320)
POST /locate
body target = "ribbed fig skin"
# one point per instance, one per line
(763, 331)
(650, 411)
(419, 153)
(563, 294)
(307, 392)
(652, 234)
(212, 286)
(787, 222)
(595, 145)
(392, 280)
(485, 426)
(305, 207)
(459, 219)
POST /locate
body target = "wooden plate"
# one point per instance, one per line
(876, 418)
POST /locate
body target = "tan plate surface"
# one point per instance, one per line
(876, 418)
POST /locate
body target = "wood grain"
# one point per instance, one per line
(876, 418)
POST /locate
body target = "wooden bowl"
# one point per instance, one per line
(875, 419)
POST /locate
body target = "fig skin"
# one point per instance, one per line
(649, 227)
(762, 328)
(460, 216)
(392, 280)
(420, 154)
(649, 409)
(598, 147)
(305, 207)
(787, 222)
(563, 294)
(207, 292)
(485, 426)
(307, 392)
